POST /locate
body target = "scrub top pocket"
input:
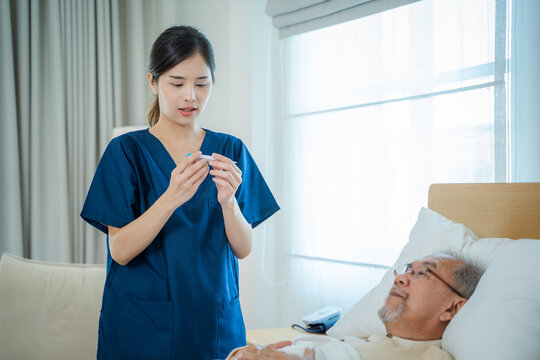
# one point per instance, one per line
(231, 328)
(141, 329)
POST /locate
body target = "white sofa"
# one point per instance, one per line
(49, 310)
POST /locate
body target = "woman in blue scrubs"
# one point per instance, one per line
(176, 222)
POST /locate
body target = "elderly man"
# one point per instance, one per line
(425, 296)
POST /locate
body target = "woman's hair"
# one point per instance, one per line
(173, 46)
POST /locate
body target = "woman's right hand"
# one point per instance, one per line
(129, 241)
(185, 179)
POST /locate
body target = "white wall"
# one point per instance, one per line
(229, 108)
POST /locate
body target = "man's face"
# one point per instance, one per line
(418, 298)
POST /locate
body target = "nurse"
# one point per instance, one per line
(176, 223)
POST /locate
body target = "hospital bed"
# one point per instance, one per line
(493, 215)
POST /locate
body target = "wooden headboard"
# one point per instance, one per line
(510, 210)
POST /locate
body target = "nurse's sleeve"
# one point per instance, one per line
(112, 197)
(253, 196)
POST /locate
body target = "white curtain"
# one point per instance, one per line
(72, 70)
(376, 109)
(526, 90)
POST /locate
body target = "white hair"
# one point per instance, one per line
(465, 276)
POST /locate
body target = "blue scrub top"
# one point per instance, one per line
(178, 299)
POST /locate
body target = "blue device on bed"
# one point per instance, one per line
(321, 320)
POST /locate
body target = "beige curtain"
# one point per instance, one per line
(72, 70)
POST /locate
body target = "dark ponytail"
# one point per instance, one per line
(153, 113)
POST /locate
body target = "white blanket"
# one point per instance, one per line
(372, 348)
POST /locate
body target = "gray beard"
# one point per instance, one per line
(388, 315)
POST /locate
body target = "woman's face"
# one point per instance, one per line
(183, 90)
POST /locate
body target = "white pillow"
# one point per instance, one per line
(502, 318)
(431, 233)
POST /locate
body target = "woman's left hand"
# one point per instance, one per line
(227, 177)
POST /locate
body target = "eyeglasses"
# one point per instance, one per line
(420, 271)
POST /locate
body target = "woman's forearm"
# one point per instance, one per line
(129, 241)
(238, 230)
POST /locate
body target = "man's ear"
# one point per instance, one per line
(452, 310)
(152, 82)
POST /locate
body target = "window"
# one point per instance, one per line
(377, 109)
